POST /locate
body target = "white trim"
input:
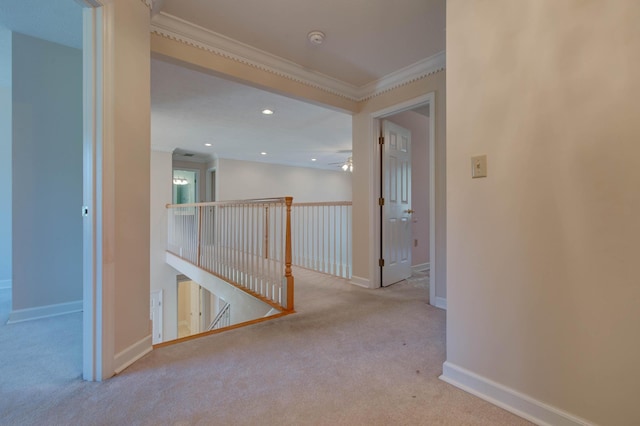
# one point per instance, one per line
(511, 400)
(178, 29)
(403, 76)
(47, 311)
(421, 267)
(432, 199)
(440, 302)
(5, 284)
(133, 353)
(360, 282)
(92, 236)
(105, 212)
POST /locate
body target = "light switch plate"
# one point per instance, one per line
(479, 166)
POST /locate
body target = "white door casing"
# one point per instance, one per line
(396, 211)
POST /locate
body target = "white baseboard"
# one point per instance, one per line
(28, 314)
(441, 303)
(360, 282)
(4, 284)
(133, 353)
(520, 404)
(421, 267)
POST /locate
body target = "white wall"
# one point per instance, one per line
(5, 157)
(543, 288)
(47, 173)
(418, 124)
(238, 180)
(163, 276)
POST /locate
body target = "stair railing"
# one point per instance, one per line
(247, 243)
(322, 237)
(222, 319)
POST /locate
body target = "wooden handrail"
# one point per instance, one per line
(280, 200)
(323, 204)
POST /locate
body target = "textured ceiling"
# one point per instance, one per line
(365, 39)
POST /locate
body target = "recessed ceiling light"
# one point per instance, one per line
(263, 153)
(314, 159)
(267, 111)
(207, 144)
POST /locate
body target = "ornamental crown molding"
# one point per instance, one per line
(404, 76)
(177, 29)
(183, 31)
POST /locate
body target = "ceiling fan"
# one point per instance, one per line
(345, 165)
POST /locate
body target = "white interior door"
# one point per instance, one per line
(396, 211)
(156, 316)
(194, 308)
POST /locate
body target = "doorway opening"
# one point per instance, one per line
(185, 186)
(41, 145)
(419, 114)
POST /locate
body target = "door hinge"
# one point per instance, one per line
(381, 140)
(381, 201)
(381, 262)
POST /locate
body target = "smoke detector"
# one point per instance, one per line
(316, 37)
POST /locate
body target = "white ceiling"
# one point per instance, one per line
(190, 108)
(365, 41)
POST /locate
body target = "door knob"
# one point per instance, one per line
(411, 211)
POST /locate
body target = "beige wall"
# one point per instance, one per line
(543, 293)
(418, 124)
(126, 174)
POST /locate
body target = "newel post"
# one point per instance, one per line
(287, 257)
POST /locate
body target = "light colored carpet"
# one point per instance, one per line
(350, 356)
